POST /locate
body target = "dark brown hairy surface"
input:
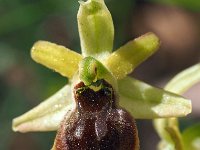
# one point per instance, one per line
(97, 123)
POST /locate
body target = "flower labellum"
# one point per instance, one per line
(97, 122)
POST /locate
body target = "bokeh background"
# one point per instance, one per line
(24, 84)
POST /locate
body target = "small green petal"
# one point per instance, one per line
(96, 28)
(56, 57)
(129, 56)
(91, 70)
(191, 137)
(47, 115)
(147, 102)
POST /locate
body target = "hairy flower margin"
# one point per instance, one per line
(99, 62)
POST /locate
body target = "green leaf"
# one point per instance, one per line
(124, 60)
(191, 137)
(91, 70)
(56, 57)
(47, 115)
(147, 102)
(95, 28)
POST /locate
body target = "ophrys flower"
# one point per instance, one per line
(99, 74)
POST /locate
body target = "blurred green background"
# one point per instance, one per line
(24, 84)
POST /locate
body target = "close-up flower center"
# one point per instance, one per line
(96, 97)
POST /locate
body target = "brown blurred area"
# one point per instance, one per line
(179, 33)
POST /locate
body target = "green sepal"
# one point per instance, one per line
(96, 28)
(47, 115)
(147, 102)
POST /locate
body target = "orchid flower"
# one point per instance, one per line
(97, 62)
